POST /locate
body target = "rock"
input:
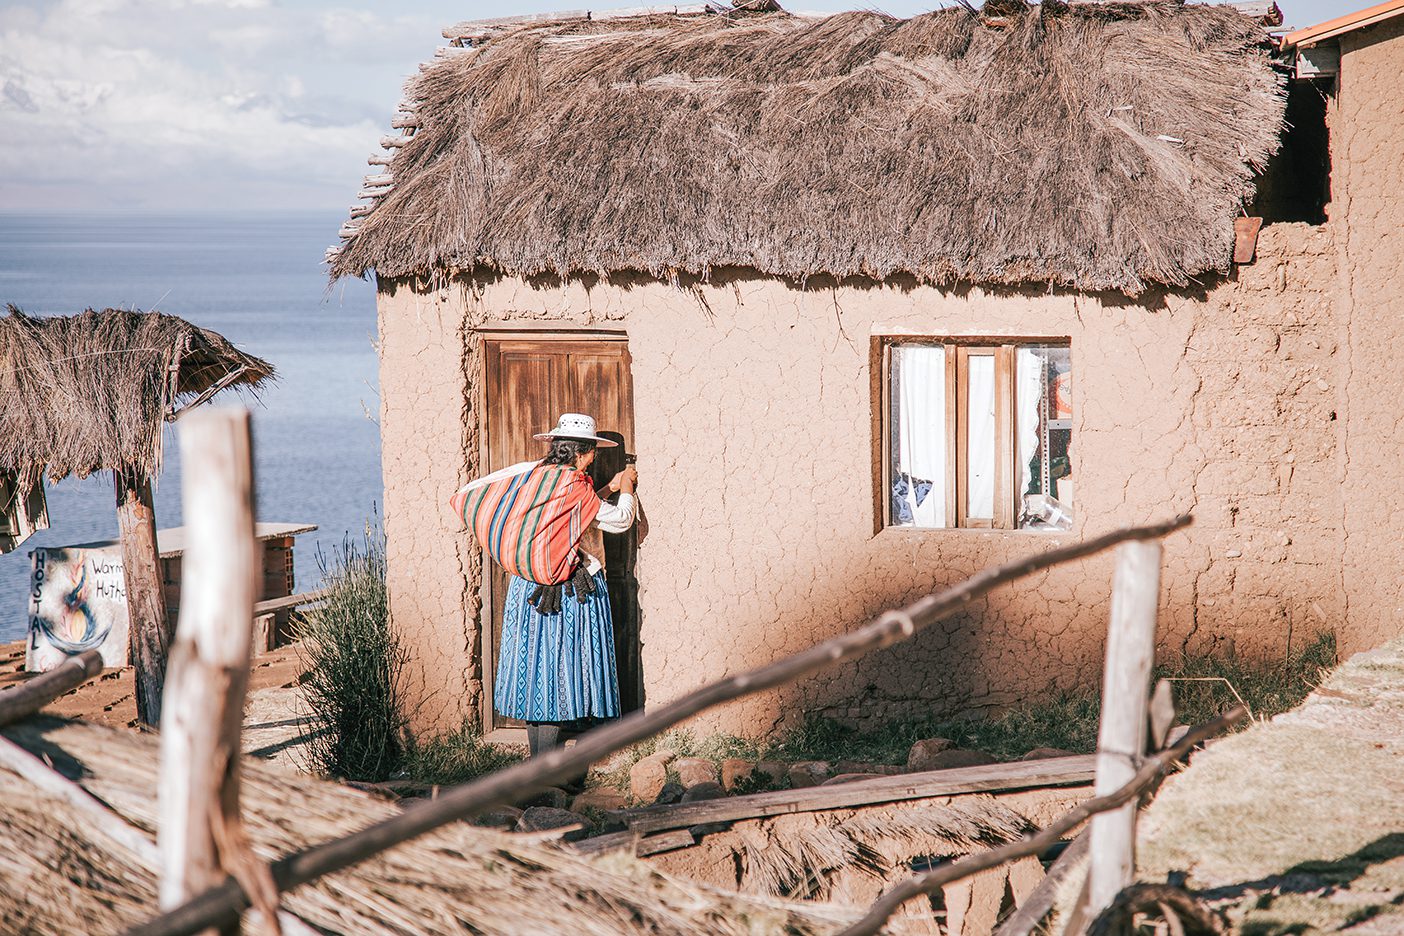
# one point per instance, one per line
(734, 770)
(694, 770)
(671, 793)
(772, 769)
(850, 777)
(921, 753)
(707, 789)
(601, 798)
(886, 770)
(552, 797)
(1043, 753)
(544, 818)
(504, 818)
(646, 778)
(808, 773)
(945, 760)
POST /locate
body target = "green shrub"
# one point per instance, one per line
(352, 661)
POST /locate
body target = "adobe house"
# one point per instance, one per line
(880, 302)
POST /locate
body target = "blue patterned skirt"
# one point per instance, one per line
(556, 667)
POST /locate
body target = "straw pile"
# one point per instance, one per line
(1098, 146)
(61, 875)
(90, 392)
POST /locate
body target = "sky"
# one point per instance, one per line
(218, 105)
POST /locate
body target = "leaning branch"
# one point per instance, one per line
(27, 698)
(873, 921)
(221, 905)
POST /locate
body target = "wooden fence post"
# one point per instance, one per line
(1121, 741)
(148, 631)
(209, 667)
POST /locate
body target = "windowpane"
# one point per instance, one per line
(980, 438)
(918, 432)
(1043, 430)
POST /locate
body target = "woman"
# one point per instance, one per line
(556, 662)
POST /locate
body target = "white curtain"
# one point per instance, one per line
(1028, 392)
(980, 440)
(921, 429)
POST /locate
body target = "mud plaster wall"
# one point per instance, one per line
(1368, 209)
(753, 427)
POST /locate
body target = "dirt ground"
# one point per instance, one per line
(272, 723)
(1297, 824)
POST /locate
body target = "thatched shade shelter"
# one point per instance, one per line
(92, 392)
(1098, 146)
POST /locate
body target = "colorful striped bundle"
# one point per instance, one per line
(531, 522)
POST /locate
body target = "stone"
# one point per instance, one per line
(849, 778)
(863, 767)
(553, 797)
(945, 760)
(1043, 753)
(671, 793)
(734, 770)
(694, 770)
(545, 818)
(924, 750)
(603, 799)
(707, 789)
(808, 773)
(646, 778)
(503, 817)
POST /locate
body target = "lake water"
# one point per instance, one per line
(258, 280)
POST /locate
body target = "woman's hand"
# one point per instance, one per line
(625, 480)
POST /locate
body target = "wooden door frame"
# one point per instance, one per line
(500, 332)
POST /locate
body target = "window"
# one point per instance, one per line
(978, 435)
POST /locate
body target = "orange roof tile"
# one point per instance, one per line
(1343, 24)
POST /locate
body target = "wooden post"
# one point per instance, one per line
(209, 671)
(148, 632)
(1121, 741)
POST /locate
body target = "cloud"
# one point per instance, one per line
(196, 103)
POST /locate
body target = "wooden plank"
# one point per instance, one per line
(1322, 61)
(199, 834)
(148, 631)
(1121, 740)
(30, 696)
(1021, 775)
(1004, 438)
(290, 601)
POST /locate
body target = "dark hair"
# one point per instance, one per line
(566, 451)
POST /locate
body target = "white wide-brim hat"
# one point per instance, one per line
(575, 426)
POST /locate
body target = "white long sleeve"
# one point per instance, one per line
(617, 518)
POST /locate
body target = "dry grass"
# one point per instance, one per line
(1097, 146)
(90, 392)
(58, 872)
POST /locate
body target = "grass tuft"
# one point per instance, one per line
(352, 662)
(463, 755)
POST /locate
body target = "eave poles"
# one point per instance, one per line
(148, 631)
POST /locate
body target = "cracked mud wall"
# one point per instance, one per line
(753, 428)
(428, 451)
(1367, 149)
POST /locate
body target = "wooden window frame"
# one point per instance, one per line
(959, 350)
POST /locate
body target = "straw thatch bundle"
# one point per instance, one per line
(1097, 146)
(62, 875)
(89, 392)
(807, 855)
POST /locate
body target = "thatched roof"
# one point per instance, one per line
(62, 873)
(89, 392)
(1097, 146)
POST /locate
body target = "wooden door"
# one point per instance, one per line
(528, 383)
